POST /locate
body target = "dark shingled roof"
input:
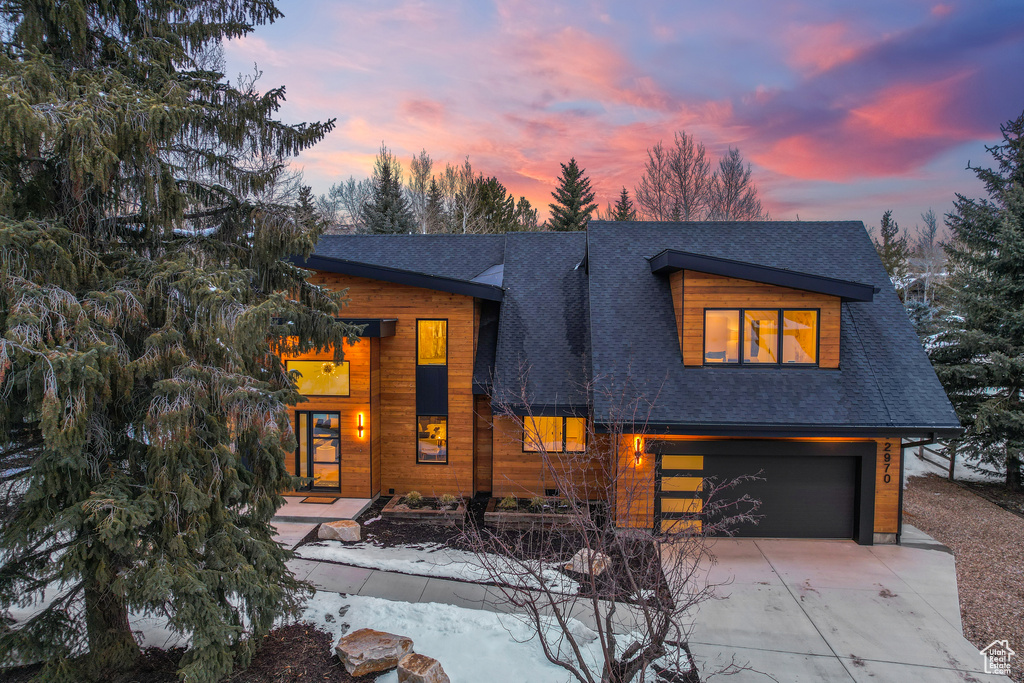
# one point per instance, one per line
(563, 320)
(885, 382)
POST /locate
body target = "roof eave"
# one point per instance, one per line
(794, 430)
(672, 260)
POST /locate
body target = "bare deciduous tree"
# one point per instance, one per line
(419, 188)
(635, 588)
(652, 193)
(691, 179)
(342, 206)
(733, 194)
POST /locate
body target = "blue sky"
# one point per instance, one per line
(843, 109)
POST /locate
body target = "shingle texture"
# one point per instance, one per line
(885, 379)
(562, 322)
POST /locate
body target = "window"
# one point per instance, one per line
(431, 342)
(757, 341)
(554, 434)
(320, 378)
(800, 337)
(432, 438)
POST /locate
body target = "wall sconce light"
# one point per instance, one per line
(638, 449)
(359, 425)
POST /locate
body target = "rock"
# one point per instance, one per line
(367, 651)
(584, 559)
(342, 530)
(416, 668)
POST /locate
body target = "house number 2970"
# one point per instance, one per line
(887, 457)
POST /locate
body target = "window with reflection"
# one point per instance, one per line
(721, 336)
(554, 434)
(761, 335)
(432, 438)
(800, 337)
(320, 378)
(432, 342)
(753, 336)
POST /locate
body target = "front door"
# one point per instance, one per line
(319, 452)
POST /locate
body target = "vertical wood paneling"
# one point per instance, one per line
(701, 291)
(520, 474)
(484, 435)
(887, 494)
(397, 423)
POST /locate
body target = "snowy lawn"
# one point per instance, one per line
(916, 467)
(472, 645)
(430, 559)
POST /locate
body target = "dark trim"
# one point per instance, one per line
(549, 411)
(899, 512)
(372, 327)
(864, 519)
(780, 342)
(481, 388)
(787, 431)
(447, 441)
(399, 276)
(671, 260)
(586, 441)
(345, 363)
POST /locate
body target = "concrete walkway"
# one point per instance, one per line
(295, 511)
(793, 610)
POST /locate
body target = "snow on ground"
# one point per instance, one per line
(914, 466)
(472, 645)
(429, 559)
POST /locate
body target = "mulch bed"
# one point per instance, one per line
(291, 654)
(988, 543)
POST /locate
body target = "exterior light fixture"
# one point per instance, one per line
(638, 449)
(359, 425)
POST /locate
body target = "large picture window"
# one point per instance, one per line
(752, 336)
(320, 377)
(432, 438)
(431, 342)
(554, 434)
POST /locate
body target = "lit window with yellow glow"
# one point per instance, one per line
(432, 342)
(721, 336)
(320, 377)
(432, 438)
(800, 337)
(575, 434)
(554, 434)
(761, 335)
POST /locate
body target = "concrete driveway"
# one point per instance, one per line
(810, 610)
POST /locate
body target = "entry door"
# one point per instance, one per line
(319, 453)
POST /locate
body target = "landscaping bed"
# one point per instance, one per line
(513, 513)
(413, 507)
(988, 543)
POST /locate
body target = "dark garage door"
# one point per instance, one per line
(807, 489)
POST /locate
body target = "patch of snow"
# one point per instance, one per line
(429, 559)
(371, 521)
(914, 466)
(472, 645)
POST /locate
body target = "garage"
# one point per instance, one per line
(807, 489)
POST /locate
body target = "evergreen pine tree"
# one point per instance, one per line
(980, 355)
(145, 297)
(574, 200)
(894, 251)
(388, 212)
(435, 219)
(624, 210)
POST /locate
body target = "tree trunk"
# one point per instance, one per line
(1013, 478)
(112, 648)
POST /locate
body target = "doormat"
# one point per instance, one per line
(322, 500)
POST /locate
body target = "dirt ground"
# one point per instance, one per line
(988, 543)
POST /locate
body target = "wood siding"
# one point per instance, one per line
(521, 474)
(484, 438)
(701, 291)
(355, 449)
(375, 442)
(397, 415)
(887, 493)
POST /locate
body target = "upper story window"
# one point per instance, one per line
(321, 378)
(431, 342)
(752, 336)
(554, 434)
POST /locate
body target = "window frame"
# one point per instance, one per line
(345, 364)
(779, 346)
(446, 336)
(563, 418)
(447, 441)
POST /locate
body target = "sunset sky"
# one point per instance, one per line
(844, 109)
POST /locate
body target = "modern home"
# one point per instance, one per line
(777, 348)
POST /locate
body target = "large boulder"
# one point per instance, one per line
(416, 668)
(342, 530)
(587, 561)
(367, 651)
